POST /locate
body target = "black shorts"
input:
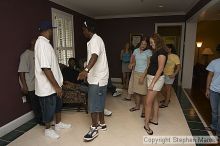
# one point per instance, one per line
(50, 105)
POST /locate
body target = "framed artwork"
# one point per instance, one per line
(135, 39)
(170, 40)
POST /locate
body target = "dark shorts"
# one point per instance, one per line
(50, 105)
(35, 105)
(96, 98)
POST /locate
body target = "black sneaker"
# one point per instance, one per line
(93, 133)
(102, 127)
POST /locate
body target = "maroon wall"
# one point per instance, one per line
(116, 32)
(19, 25)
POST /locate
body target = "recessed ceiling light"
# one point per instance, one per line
(160, 6)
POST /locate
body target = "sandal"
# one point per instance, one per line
(149, 131)
(153, 123)
(142, 115)
(163, 106)
(134, 109)
(126, 99)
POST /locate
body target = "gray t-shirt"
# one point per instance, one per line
(27, 66)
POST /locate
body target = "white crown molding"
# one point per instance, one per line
(141, 15)
(16, 123)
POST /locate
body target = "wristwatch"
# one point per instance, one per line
(86, 69)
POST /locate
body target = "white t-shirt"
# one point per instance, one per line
(45, 57)
(99, 73)
(27, 66)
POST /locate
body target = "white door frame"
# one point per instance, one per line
(182, 24)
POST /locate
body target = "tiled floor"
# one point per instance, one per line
(197, 96)
(6, 139)
(124, 128)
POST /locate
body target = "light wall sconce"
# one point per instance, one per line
(199, 44)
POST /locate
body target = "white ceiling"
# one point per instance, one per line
(101, 9)
(212, 13)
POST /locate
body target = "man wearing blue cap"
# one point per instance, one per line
(48, 80)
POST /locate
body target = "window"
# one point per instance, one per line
(63, 35)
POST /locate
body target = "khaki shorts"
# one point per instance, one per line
(130, 85)
(158, 85)
(137, 87)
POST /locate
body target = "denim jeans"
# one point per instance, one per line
(96, 98)
(215, 105)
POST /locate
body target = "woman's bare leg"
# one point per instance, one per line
(155, 110)
(148, 106)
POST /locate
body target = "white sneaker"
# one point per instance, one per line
(119, 89)
(102, 127)
(62, 126)
(107, 112)
(93, 133)
(51, 134)
(116, 94)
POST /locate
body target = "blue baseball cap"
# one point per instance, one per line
(45, 25)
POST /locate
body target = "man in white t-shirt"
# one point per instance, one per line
(48, 80)
(97, 74)
(26, 79)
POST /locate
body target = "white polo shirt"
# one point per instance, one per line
(99, 73)
(45, 57)
(26, 65)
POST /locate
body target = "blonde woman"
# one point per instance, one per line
(125, 58)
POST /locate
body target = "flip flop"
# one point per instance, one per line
(163, 106)
(153, 123)
(149, 131)
(134, 109)
(142, 115)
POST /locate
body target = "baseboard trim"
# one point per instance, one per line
(16, 123)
